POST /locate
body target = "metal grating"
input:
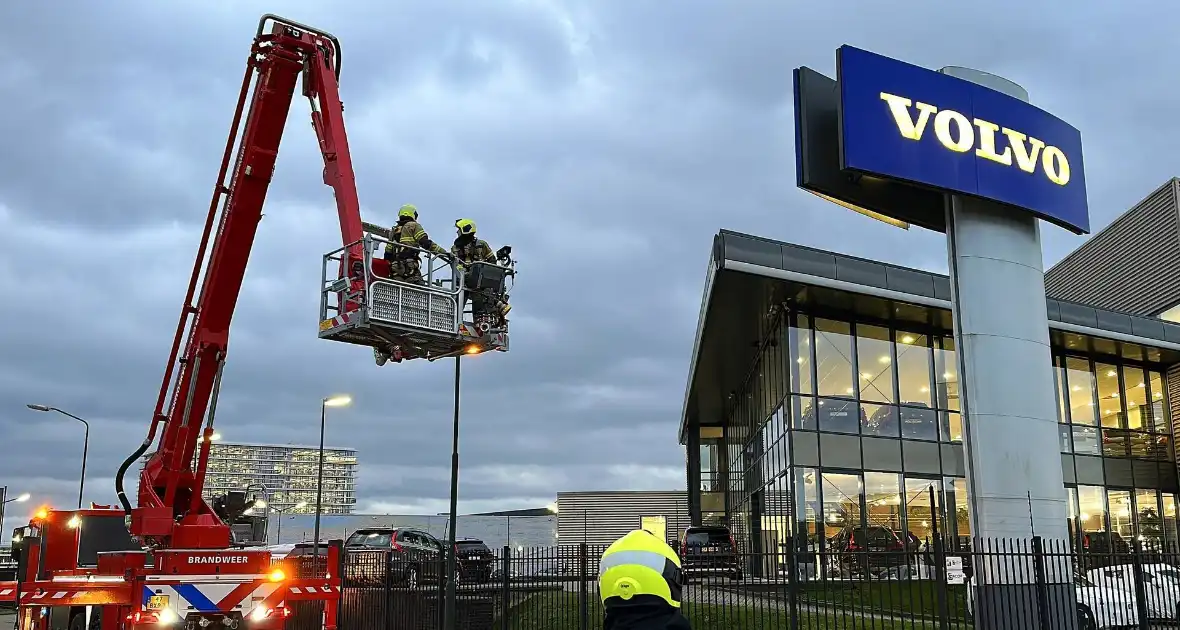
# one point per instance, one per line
(412, 306)
(1132, 265)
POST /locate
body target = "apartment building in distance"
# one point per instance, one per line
(285, 473)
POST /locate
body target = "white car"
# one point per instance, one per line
(1161, 586)
(1098, 606)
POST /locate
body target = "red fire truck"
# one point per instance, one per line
(169, 560)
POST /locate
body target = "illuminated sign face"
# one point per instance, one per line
(908, 123)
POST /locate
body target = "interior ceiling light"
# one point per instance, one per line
(907, 339)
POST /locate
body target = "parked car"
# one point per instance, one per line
(1161, 586)
(411, 557)
(710, 550)
(475, 560)
(1098, 606)
(872, 550)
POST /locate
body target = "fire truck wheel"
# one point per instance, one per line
(78, 621)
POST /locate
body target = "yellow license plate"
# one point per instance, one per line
(157, 602)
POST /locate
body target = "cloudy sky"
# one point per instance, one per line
(607, 141)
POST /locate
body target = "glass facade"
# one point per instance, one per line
(1116, 450)
(287, 472)
(856, 424)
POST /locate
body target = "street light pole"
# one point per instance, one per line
(85, 443)
(331, 401)
(449, 622)
(4, 500)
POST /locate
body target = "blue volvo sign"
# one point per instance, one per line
(904, 122)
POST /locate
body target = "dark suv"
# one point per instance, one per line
(412, 557)
(710, 550)
(864, 551)
(475, 560)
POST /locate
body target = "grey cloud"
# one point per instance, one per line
(605, 142)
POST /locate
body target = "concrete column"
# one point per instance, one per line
(693, 452)
(1006, 383)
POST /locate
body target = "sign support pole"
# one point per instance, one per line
(1007, 398)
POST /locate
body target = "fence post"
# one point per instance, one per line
(505, 586)
(944, 614)
(793, 582)
(583, 591)
(1038, 549)
(387, 584)
(1140, 590)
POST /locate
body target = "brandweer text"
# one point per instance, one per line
(218, 559)
(960, 134)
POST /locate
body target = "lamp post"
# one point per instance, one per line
(4, 500)
(85, 443)
(449, 622)
(283, 512)
(339, 400)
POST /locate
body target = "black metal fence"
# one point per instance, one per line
(998, 585)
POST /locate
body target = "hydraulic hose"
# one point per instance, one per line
(123, 471)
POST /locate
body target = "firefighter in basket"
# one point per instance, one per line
(467, 250)
(640, 582)
(404, 264)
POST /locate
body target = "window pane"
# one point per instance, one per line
(1081, 391)
(882, 497)
(913, 368)
(952, 427)
(1109, 405)
(1159, 415)
(1085, 441)
(838, 416)
(1114, 442)
(803, 413)
(808, 516)
(841, 502)
(1059, 383)
(1121, 522)
(919, 515)
(918, 424)
(801, 359)
(1147, 519)
(874, 358)
(962, 519)
(1092, 510)
(945, 369)
(1063, 438)
(833, 357)
(880, 420)
(1135, 383)
(1071, 499)
(1169, 522)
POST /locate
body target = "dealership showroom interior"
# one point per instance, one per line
(824, 392)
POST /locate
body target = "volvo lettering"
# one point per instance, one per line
(957, 133)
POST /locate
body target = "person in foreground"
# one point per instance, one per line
(640, 581)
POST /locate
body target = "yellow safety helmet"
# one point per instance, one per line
(409, 211)
(465, 226)
(640, 564)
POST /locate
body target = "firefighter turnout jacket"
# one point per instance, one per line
(410, 233)
(640, 581)
(472, 250)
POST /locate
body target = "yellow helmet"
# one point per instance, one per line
(640, 564)
(465, 226)
(409, 211)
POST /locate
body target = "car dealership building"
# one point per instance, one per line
(824, 389)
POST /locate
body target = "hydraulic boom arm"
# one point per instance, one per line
(171, 511)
